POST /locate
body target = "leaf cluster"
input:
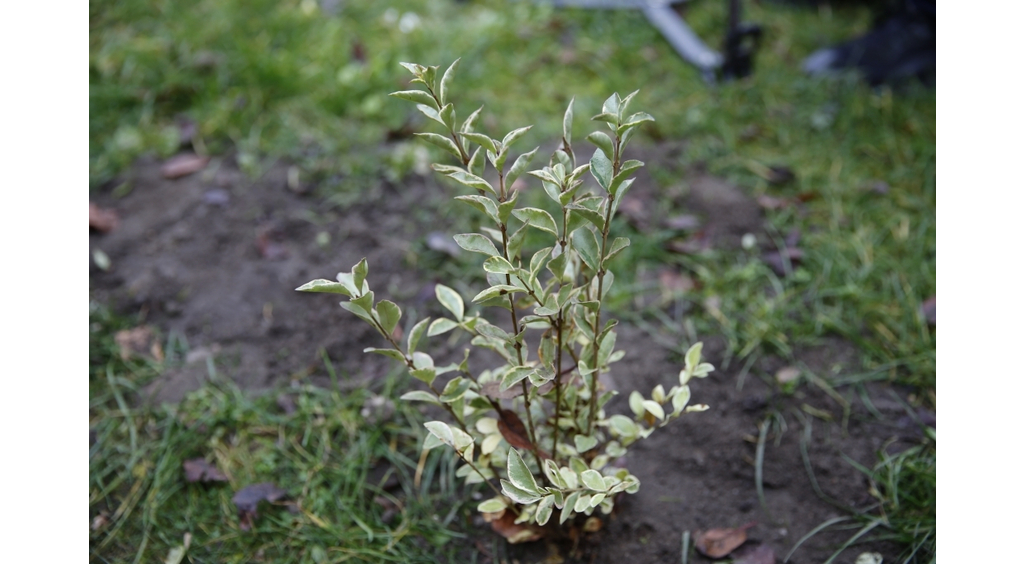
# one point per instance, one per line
(554, 446)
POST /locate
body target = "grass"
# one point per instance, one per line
(269, 79)
(332, 462)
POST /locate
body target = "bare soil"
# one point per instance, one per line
(213, 259)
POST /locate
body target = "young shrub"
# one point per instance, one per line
(536, 423)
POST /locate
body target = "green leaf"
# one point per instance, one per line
(595, 218)
(567, 123)
(624, 103)
(585, 243)
(536, 217)
(498, 265)
(655, 409)
(359, 272)
(417, 96)
(446, 81)
(513, 136)
(447, 115)
(493, 505)
(519, 473)
(517, 494)
(551, 471)
(680, 399)
(601, 169)
(476, 243)
(477, 162)
(455, 389)
(514, 376)
(420, 395)
(505, 208)
(620, 192)
(495, 291)
(611, 105)
(515, 242)
(470, 123)
(627, 168)
(442, 431)
(389, 314)
(471, 180)
(546, 175)
(606, 117)
(636, 403)
(442, 142)
(430, 113)
(359, 311)
(492, 331)
(441, 326)
(451, 300)
(623, 425)
(325, 286)
(568, 507)
(603, 142)
(582, 503)
(519, 166)
(593, 480)
(616, 247)
(584, 443)
(482, 203)
(544, 510)
(397, 355)
(415, 334)
(480, 139)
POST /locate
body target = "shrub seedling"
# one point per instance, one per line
(562, 458)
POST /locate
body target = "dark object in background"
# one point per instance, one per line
(901, 46)
(741, 40)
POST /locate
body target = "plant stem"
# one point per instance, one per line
(600, 290)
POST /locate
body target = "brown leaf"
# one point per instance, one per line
(493, 390)
(512, 428)
(928, 310)
(718, 543)
(757, 554)
(199, 470)
(515, 533)
(183, 165)
(102, 220)
(592, 524)
(249, 497)
(138, 342)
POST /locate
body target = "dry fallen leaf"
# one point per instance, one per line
(183, 165)
(249, 497)
(773, 203)
(757, 554)
(592, 524)
(138, 342)
(101, 219)
(512, 428)
(718, 543)
(515, 533)
(787, 374)
(493, 390)
(199, 470)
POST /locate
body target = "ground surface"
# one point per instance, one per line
(212, 259)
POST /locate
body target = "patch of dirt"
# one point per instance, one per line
(213, 259)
